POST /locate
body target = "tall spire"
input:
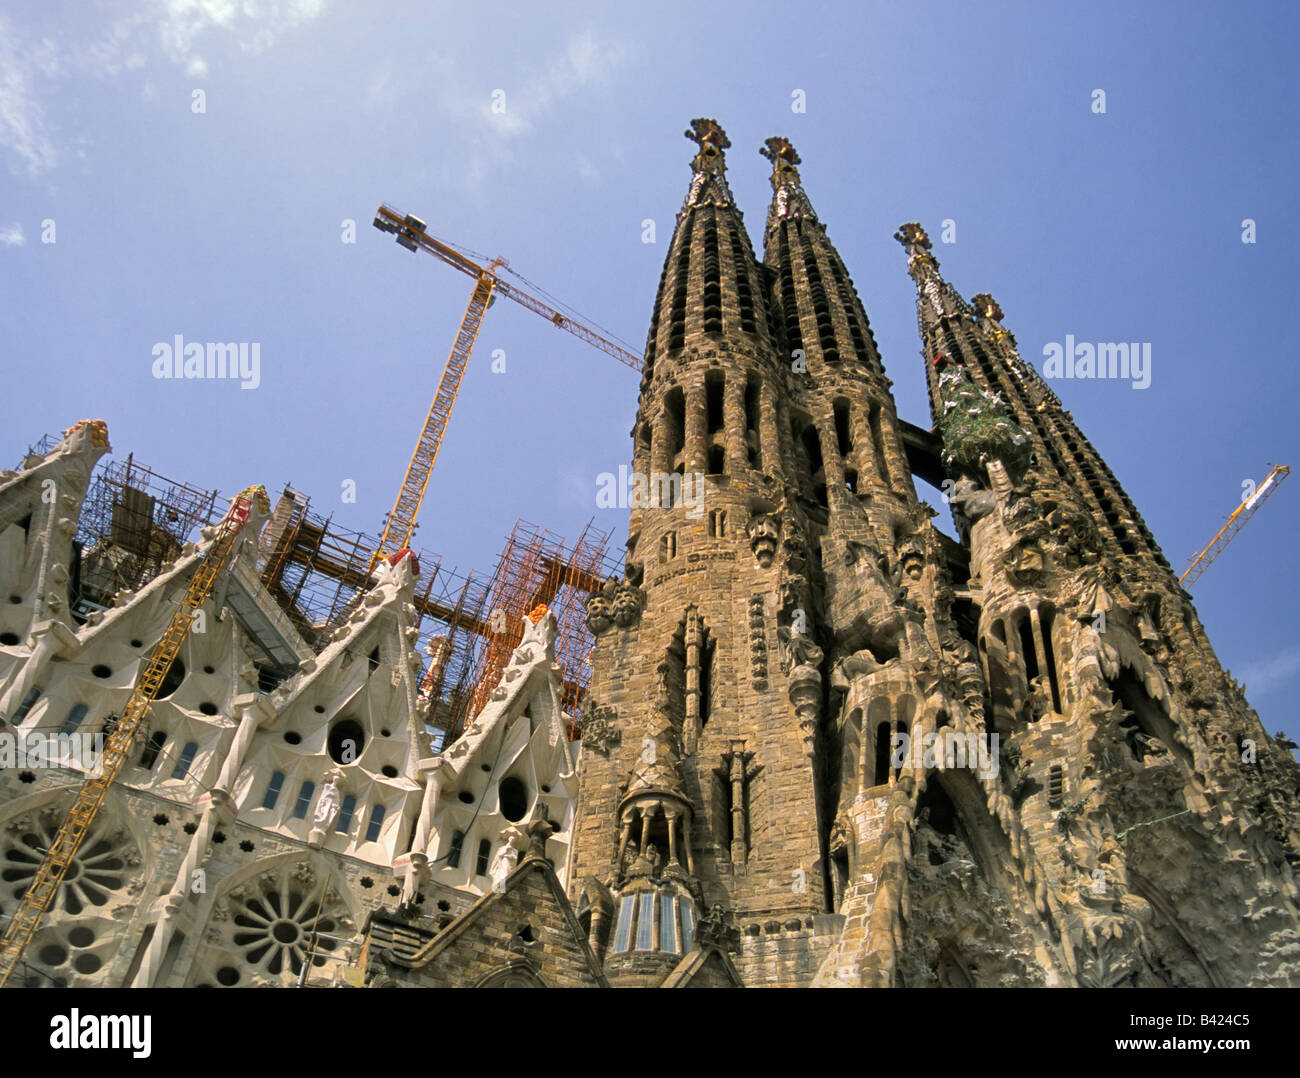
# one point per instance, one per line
(824, 319)
(788, 198)
(972, 335)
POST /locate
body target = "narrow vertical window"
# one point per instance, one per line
(346, 812)
(623, 929)
(454, 852)
(73, 720)
(645, 922)
(668, 924)
(376, 823)
(881, 774)
(273, 788)
(303, 803)
(484, 853)
(29, 702)
(186, 758)
(688, 923)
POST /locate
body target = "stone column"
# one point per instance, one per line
(739, 848)
(769, 440)
(696, 455)
(733, 423)
(691, 722)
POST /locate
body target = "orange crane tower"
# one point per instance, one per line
(410, 232)
(1201, 561)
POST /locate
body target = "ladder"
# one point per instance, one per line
(50, 875)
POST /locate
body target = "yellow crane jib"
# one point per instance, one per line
(225, 539)
(1202, 559)
(412, 233)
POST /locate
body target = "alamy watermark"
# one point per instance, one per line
(212, 361)
(658, 490)
(33, 749)
(946, 749)
(1102, 360)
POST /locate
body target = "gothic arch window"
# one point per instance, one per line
(513, 977)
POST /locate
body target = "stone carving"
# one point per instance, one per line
(598, 729)
(764, 534)
(627, 605)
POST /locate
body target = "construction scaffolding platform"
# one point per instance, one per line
(536, 569)
(135, 522)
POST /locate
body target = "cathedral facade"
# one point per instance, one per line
(823, 744)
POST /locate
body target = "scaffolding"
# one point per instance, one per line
(134, 522)
(536, 569)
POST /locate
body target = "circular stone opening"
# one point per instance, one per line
(137, 643)
(87, 963)
(228, 976)
(15, 599)
(8, 639)
(208, 707)
(385, 733)
(466, 797)
(513, 795)
(209, 669)
(346, 741)
(319, 710)
(389, 771)
(285, 932)
(101, 671)
(52, 955)
(293, 737)
(172, 682)
(81, 937)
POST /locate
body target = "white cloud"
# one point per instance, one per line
(12, 236)
(24, 129)
(586, 64)
(170, 28)
(1265, 675)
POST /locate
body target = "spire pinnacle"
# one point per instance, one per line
(788, 197)
(709, 184)
(924, 268)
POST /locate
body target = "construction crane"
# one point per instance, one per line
(411, 233)
(50, 875)
(1234, 524)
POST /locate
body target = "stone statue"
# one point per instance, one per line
(327, 805)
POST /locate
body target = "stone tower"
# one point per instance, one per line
(834, 747)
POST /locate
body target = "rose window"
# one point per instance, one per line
(278, 922)
(98, 870)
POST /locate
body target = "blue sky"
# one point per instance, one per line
(226, 225)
